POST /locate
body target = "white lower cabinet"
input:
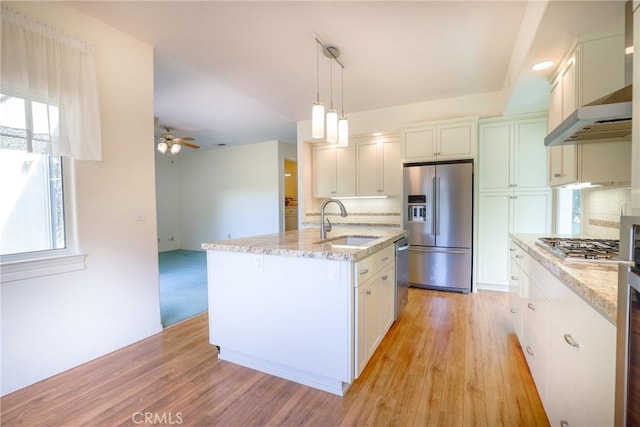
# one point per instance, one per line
(568, 345)
(375, 302)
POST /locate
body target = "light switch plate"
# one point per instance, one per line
(334, 271)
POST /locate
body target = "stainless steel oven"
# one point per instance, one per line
(628, 325)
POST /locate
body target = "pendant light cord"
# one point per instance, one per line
(342, 90)
(331, 79)
(317, 72)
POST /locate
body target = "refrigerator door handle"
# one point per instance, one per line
(433, 205)
(436, 219)
(439, 250)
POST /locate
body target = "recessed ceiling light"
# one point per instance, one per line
(542, 65)
(377, 133)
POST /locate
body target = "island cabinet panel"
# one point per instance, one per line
(568, 345)
(375, 301)
(288, 316)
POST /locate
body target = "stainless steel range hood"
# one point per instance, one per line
(607, 119)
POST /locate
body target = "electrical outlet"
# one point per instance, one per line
(258, 263)
(334, 271)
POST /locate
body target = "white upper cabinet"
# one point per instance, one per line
(443, 140)
(334, 171)
(594, 68)
(367, 167)
(512, 155)
(379, 168)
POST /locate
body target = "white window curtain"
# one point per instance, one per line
(42, 64)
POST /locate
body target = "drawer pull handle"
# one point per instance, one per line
(515, 278)
(513, 310)
(557, 175)
(385, 258)
(368, 292)
(530, 351)
(385, 277)
(531, 306)
(512, 249)
(564, 423)
(365, 271)
(571, 341)
(519, 256)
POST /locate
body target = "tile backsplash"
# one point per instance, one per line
(601, 210)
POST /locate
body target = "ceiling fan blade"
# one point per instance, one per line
(187, 138)
(186, 144)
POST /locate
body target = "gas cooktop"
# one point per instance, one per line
(581, 249)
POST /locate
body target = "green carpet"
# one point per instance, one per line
(183, 285)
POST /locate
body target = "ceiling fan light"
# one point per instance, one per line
(175, 148)
(343, 132)
(332, 126)
(317, 121)
(162, 147)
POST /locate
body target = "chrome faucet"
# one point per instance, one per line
(324, 229)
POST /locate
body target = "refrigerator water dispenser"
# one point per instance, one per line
(417, 208)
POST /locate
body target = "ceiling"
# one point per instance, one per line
(239, 72)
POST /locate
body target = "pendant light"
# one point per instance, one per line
(332, 115)
(317, 113)
(343, 123)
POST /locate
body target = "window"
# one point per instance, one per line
(32, 213)
(568, 211)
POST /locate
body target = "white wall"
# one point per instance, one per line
(53, 323)
(234, 191)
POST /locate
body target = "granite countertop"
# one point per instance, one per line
(305, 243)
(595, 282)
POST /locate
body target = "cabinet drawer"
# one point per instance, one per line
(536, 312)
(364, 270)
(518, 255)
(584, 342)
(535, 352)
(385, 256)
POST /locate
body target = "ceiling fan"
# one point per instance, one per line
(170, 144)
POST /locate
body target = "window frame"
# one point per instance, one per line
(25, 265)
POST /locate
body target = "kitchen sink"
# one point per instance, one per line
(350, 241)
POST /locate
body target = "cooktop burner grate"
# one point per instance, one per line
(576, 248)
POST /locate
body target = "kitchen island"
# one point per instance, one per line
(564, 315)
(306, 310)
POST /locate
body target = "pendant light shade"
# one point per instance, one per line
(332, 126)
(343, 132)
(317, 121)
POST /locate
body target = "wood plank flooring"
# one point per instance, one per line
(450, 360)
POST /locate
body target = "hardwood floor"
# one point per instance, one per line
(450, 360)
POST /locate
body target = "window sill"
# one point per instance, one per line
(38, 267)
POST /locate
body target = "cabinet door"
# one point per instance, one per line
(516, 279)
(324, 171)
(494, 156)
(530, 155)
(532, 212)
(391, 169)
(493, 239)
(368, 160)
(555, 103)
(569, 101)
(420, 144)
(387, 297)
(372, 334)
(455, 141)
(345, 171)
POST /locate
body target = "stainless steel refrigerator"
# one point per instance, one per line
(439, 218)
